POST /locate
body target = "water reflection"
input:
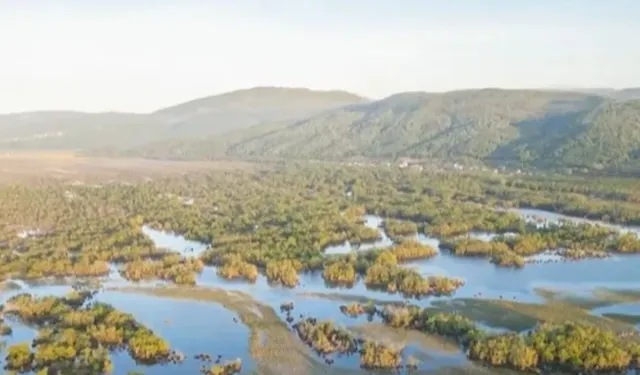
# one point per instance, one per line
(543, 217)
(370, 221)
(630, 309)
(195, 327)
(482, 278)
(174, 242)
(190, 327)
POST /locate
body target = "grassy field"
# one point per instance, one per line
(598, 298)
(518, 316)
(66, 166)
(402, 337)
(346, 298)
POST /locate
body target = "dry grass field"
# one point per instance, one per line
(18, 167)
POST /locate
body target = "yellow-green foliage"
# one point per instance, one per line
(284, 272)
(411, 249)
(173, 268)
(228, 368)
(572, 347)
(235, 268)
(377, 356)
(325, 337)
(398, 228)
(393, 278)
(340, 273)
(19, 357)
(144, 346)
(76, 338)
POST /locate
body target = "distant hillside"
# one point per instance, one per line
(244, 108)
(631, 93)
(193, 120)
(545, 129)
(536, 128)
(456, 124)
(77, 131)
(541, 128)
(628, 94)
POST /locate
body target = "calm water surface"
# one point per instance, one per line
(197, 327)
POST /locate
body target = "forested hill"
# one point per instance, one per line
(537, 128)
(240, 109)
(197, 119)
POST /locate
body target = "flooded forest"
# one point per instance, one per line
(320, 268)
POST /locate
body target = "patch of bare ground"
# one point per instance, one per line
(18, 167)
(402, 337)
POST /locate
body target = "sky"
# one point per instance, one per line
(142, 55)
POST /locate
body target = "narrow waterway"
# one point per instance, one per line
(197, 327)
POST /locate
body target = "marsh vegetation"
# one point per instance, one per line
(271, 228)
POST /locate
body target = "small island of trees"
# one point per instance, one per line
(75, 336)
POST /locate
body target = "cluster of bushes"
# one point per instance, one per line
(568, 347)
(325, 339)
(340, 273)
(399, 228)
(468, 218)
(357, 309)
(227, 368)
(568, 239)
(306, 211)
(78, 337)
(390, 277)
(283, 272)
(236, 268)
(173, 268)
(454, 326)
(377, 356)
(381, 271)
(410, 250)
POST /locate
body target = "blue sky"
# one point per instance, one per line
(141, 55)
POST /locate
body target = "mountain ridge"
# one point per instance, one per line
(89, 130)
(547, 128)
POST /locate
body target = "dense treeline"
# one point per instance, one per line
(411, 250)
(279, 223)
(568, 347)
(399, 228)
(356, 309)
(75, 336)
(172, 268)
(79, 230)
(234, 267)
(380, 270)
(514, 127)
(566, 238)
(340, 273)
(284, 272)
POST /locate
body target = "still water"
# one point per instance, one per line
(197, 327)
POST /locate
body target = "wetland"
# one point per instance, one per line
(251, 271)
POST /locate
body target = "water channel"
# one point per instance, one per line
(198, 327)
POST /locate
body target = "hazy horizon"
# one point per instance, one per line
(140, 57)
(550, 88)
